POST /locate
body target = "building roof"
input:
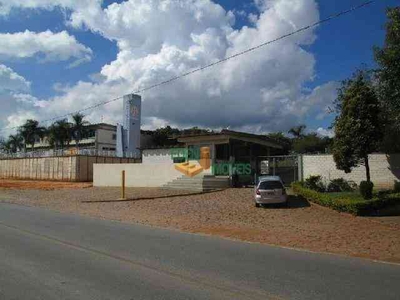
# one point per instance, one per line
(230, 134)
(98, 125)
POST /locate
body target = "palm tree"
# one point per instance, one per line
(59, 134)
(4, 146)
(14, 143)
(31, 131)
(79, 128)
(297, 131)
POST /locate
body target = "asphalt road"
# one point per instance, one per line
(48, 255)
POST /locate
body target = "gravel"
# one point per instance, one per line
(229, 213)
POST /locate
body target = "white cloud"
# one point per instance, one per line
(19, 118)
(58, 46)
(11, 81)
(12, 86)
(157, 40)
(29, 99)
(319, 102)
(325, 132)
(7, 5)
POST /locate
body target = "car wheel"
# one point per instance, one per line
(257, 205)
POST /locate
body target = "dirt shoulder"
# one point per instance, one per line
(228, 213)
(41, 185)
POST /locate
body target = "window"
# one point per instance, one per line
(91, 134)
(222, 152)
(178, 160)
(114, 136)
(270, 185)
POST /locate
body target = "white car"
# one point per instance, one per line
(270, 190)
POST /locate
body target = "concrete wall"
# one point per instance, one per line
(157, 156)
(136, 175)
(385, 169)
(63, 168)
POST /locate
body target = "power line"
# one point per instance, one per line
(337, 15)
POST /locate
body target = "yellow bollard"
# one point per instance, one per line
(123, 185)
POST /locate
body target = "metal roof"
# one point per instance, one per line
(254, 138)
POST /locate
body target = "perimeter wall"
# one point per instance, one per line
(62, 168)
(385, 169)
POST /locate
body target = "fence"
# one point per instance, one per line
(65, 152)
(385, 168)
(286, 167)
(62, 168)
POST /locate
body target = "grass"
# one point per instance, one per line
(356, 196)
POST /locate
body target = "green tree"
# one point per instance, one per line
(283, 140)
(297, 131)
(358, 129)
(194, 131)
(4, 146)
(388, 75)
(30, 132)
(78, 128)
(15, 143)
(59, 134)
(311, 143)
(162, 136)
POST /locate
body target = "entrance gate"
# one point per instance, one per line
(286, 167)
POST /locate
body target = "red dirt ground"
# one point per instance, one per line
(42, 185)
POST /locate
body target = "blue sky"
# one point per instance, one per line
(341, 47)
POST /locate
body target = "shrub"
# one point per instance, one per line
(366, 189)
(341, 185)
(397, 186)
(314, 183)
(350, 203)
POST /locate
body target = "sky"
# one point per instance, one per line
(58, 56)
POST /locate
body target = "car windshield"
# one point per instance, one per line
(270, 185)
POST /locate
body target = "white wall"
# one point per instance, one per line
(384, 169)
(157, 156)
(136, 175)
(105, 138)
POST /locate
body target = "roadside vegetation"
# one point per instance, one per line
(367, 121)
(344, 196)
(59, 134)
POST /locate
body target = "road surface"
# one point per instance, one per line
(48, 255)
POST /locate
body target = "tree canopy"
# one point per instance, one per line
(388, 75)
(358, 127)
(78, 128)
(59, 134)
(30, 132)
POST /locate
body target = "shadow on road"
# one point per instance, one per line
(152, 198)
(293, 203)
(297, 202)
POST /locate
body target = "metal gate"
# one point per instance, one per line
(286, 167)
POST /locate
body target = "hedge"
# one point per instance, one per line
(347, 204)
